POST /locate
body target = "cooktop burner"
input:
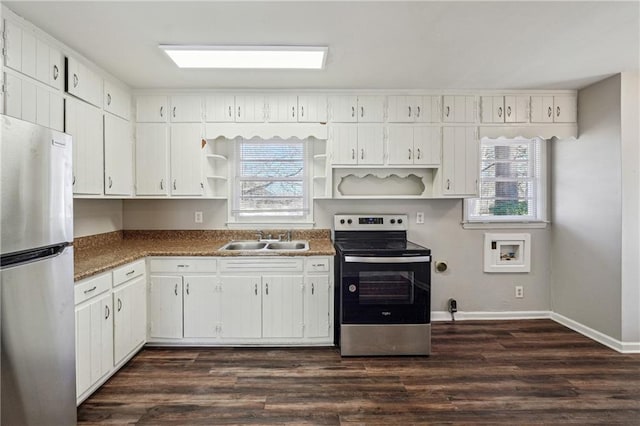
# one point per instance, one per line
(378, 245)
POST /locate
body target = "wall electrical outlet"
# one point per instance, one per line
(519, 292)
(198, 217)
(420, 217)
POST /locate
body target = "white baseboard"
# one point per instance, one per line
(505, 315)
(615, 344)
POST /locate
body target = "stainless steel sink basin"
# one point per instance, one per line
(265, 245)
(289, 245)
(244, 245)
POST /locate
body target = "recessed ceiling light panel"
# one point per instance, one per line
(247, 57)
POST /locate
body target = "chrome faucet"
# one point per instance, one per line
(286, 236)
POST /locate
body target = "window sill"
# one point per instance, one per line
(505, 225)
(270, 225)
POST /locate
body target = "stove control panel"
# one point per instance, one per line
(370, 222)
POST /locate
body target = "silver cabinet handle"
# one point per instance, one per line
(255, 289)
(302, 110)
(557, 111)
(409, 153)
(75, 80)
(266, 288)
(119, 305)
(187, 288)
(499, 111)
(107, 312)
(448, 183)
(313, 289)
(56, 72)
(174, 184)
(238, 111)
(110, 182)
(174, 112)
(508, 111)
(108, 98)
(161, 111)
(183, 266)
(409, 111)
(549, 112)
(361, 111)
(90, 290)
(229, 111)
(448, 110)
(418, 112)
(293, 111)
(418, 153)
(161, 183)
(175, 290)
(73, 182)
(353, 153)
(362, 153)
(353, 111)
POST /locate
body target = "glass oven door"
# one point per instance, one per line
(385, 290)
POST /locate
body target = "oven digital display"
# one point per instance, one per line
(370, 221)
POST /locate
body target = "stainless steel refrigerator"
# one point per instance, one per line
(37, 304)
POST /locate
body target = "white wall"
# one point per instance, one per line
(586, 219)
(96, 216)
(174, 214)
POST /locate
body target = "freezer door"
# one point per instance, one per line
(38, 342)
(36, 192)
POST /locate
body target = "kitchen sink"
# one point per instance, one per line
(265, 245)
(289, 245)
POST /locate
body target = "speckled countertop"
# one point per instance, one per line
(99, 253)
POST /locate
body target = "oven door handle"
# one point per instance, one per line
(407, 259)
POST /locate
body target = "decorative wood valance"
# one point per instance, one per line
(266, 130)
(560, 131)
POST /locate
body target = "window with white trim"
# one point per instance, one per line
(271, 180)
(512, 187)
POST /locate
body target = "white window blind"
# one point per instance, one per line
(512, 180)
(271, 178)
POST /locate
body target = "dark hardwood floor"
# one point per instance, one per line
(505, 372)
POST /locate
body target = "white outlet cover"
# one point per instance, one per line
(198, 217)
(420, 217)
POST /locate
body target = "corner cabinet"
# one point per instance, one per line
(460, 157)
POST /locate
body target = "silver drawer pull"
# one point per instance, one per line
(183, 266)
(131, 272)
(90, 290)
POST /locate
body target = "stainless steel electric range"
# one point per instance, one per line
(383, 287)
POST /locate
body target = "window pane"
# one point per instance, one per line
(488, 207)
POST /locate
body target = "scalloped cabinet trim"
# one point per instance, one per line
(529, 132)
(266, 130)
(404, 184)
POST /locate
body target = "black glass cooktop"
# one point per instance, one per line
(381, 247)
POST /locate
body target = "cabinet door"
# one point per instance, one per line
(542, 109)
(565, 109)
(165, 306)
(117, 101)
(428, 109)
(152, 159)
(400, 145)
(427, 145)
(186, 159)
(129, 318)
(459, 161)
(250, 108)
(84, 123)
(370, 144)
(43, 107)
(151, 109)
(29, 101)
(492, 109)
(344, 144)
(13, 96)
(106, 334)
(516, 109)
(56, 111)
(458, 109)
(201, 306)
(241, 307)
(220, 108)
(138, 303)
(118, 156)
(316, 306)
(343, 109)
(370, 109)
(186, 109)
(402, 109)
(312, 108)
(83, 349)
(55, 68)
(29, 53)
(282, 108)
(282, 303)
(12, 45)
(42, 61)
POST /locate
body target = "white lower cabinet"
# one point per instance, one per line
(201, 306)
(165, 306)
(282, 304)
(317, 306)
(130, 317)
(241, 307)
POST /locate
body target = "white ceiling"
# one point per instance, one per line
(376, 45)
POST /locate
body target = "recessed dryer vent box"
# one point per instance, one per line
(507, 253)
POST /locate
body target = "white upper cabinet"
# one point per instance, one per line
(312, 108)
(152, 159)
(357, 109)
(460, 151)
(220, 108)
(282, 108)
(554, 109)
(419, 145)
(152, 109)
(12, 45)
(29, 42)
(116, 100)
(186, 109)
(411, 109)
(250, 109)
(361, 144)
(186, 159)
(30, 102)
(118, 156)
(505, 109)
(83, 83)
(459, 109)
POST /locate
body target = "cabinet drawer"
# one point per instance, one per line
(182, 265)
(317, 265)
(127, 272)
(91, 287)
(280, 264)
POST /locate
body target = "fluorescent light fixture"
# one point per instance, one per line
(252, 57)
